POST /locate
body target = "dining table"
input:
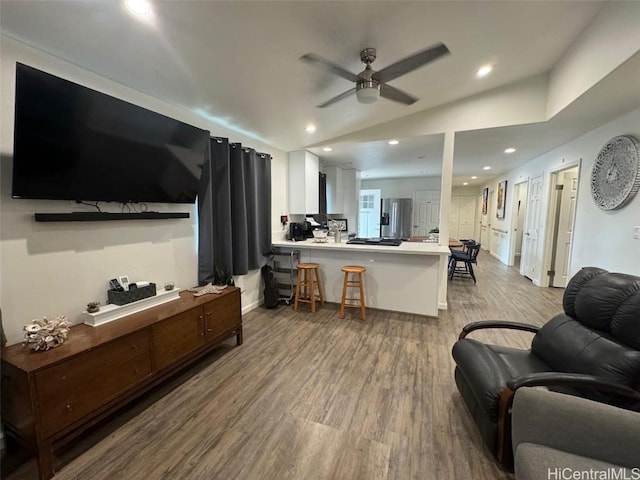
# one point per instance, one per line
(455, 243)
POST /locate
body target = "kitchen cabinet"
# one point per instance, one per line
(304, 168)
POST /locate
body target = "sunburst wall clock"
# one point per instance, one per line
(615, 178)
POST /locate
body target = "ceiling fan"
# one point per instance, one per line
(371, 84)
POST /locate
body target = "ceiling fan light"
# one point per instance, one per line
(368, 92)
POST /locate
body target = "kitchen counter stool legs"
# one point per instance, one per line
(308, 281)
(357, 283)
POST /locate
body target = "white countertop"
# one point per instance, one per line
(406, 248)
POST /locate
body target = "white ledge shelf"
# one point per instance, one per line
(110, 312)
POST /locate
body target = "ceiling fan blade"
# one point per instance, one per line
(318, 61)
(338, 98)
(410, 63)
(392, 93)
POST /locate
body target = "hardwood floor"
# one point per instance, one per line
(311, 396)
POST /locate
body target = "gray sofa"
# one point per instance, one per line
(555, 435)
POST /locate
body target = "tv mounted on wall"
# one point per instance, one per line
(75, 143)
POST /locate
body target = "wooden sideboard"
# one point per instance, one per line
(49, 398)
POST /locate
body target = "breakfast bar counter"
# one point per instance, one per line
(403, 278)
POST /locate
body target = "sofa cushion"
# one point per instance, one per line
(607, 302)
(487, 368)
(574, 286)
(538, 462)
(567, 345)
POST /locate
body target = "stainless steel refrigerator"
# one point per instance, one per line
(396, 217)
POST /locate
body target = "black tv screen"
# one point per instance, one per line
(74, 143)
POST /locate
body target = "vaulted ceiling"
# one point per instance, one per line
(237, 64)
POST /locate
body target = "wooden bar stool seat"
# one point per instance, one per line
(358, 282)
(308, 286)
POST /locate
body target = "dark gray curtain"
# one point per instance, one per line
(234, 210)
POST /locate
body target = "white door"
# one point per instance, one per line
(521, 211)
(565, 227)
(484, 225)
(530, 260)
(466, 216)
(369, 220)
(426, 212)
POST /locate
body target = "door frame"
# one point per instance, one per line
(552, 175)
(514, 218)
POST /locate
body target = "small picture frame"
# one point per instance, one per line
(343, 223)
(501, 202)
(485, 199)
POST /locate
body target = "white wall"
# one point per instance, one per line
(401, 187)
(468, 190)
(611, 39)
(351, 185)
(51, 269)
(602, 239)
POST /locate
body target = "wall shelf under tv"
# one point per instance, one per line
(105, 216)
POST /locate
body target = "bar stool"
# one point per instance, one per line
(357, 283)
(308, 280)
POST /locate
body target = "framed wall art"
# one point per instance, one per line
(342, 222)
(485, 199)
(502, 199)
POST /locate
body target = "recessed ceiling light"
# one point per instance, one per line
(465, 183)
(327, 149)
(486, 168)
(310, 128)
(484, 71)
(509, 150)
(474, 177)
(393, 142)
(138, 7)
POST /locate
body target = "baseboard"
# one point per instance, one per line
(442, 305)
(251, 306)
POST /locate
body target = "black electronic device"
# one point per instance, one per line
(115, 285)
(307, 229)
(296, 232)
(75, 143)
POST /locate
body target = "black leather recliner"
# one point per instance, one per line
(591, 350)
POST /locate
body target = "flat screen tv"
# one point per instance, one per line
(74, 143)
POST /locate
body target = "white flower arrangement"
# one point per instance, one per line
(334, 226)
(45, 334)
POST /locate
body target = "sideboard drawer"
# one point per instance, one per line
(222, 315)
(72, 389)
